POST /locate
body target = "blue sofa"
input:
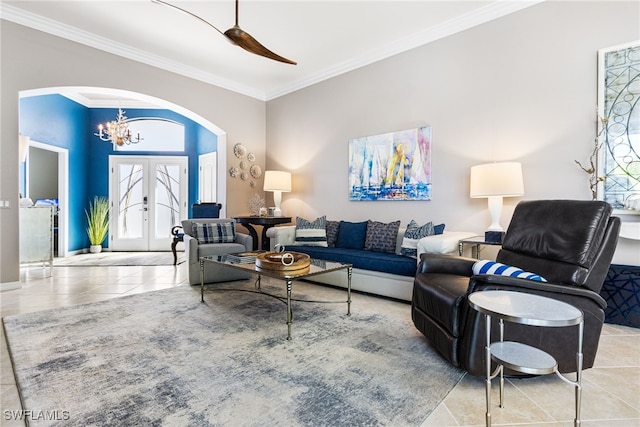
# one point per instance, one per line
(385, 274)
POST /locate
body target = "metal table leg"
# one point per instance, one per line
(201, 281)
(487, 357)
(289, 312)
(349, 274)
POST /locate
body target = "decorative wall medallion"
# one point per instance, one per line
(255, 171)
(244, 164)
(244, 176)
(251, 157)
(233, 172)
(240, 151)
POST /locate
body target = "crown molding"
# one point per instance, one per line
(40, 23)
(480, 16)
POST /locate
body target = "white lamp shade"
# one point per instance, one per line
(496, 179)
(277, 181)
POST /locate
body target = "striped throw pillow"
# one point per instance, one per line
(492, 267)
(214, 232)
(311, 233)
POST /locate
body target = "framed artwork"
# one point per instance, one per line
(619, 126)
(391, 166)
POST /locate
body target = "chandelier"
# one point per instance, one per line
(117, 131)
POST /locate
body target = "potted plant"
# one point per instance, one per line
(97, 222)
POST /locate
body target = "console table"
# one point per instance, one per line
(532, 310)
(266, 222)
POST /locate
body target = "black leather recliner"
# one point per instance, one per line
(570, 243)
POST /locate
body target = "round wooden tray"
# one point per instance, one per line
(273, 261)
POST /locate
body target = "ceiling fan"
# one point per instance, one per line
(237, 36)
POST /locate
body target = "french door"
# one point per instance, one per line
(148, 196)
(208, 176)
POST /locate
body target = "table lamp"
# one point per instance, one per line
(277, 181)
(495, 181)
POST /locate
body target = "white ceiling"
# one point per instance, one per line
(326, 38)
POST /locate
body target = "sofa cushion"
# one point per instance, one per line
(438, 229)
(332, 233)
(381, 237)
(312, 233)
(365, 260)
(351, 235)
(219, 232)
(412, 236)
(491, 267)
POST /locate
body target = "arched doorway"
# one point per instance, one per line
(97, 97)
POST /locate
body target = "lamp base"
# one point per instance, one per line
(277, 212)
(493, 236)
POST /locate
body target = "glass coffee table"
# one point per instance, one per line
(316, 267)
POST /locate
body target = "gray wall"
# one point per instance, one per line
(521, 88)
(43, 174)
(32, 59)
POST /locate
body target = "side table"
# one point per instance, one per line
(266, 222)
(532, 310)
(476, 242)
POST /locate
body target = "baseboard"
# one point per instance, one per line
(7, 286)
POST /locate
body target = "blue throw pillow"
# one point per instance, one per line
(351, 235)
(332, 233)
(438, 229)
(381, 237)
(492, 267)
(412, 236)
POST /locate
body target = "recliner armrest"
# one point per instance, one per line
(447, 264)
(497, 282)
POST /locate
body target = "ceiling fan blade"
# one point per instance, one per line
(164, 3)
(244, 40)
(236, 35)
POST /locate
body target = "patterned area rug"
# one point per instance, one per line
(119, 258)
(165, 358)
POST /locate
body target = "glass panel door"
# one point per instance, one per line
(168, 200)
(148, 197)
(129, 206)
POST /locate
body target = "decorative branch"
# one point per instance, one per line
(592, 168)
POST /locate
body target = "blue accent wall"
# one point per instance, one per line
(58, 121)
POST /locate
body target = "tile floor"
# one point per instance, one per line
(611, 390)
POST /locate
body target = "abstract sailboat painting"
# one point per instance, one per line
(391, 166)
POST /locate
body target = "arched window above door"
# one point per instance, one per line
(155, 134)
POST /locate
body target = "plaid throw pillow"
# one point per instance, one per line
(214, 232)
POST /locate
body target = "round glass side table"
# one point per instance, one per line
(532, 310)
